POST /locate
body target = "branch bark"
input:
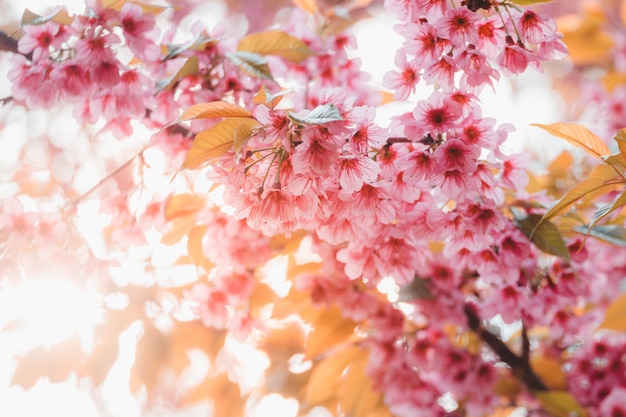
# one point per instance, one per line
(520, 365)
(8, 43)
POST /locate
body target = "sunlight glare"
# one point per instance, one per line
(49, 311)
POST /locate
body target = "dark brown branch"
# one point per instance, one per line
(7, 43)
(520, 366)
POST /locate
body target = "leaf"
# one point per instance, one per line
(100, 360)
(252, 63)
(612, 80)
(544, 234)
(226, 396)
(588, 43)
(613, 234)
(579, 136)
(416, 290)
(61, 17)
(529, 2)
(615, 316)
(309, 6)
(194, 247)
(56, 362)
(597, 180)
(356, 395)
(326, 375)
(329, 329)
(182, 204)
(276, 42)
(151, 357)
(146, 8)
(190, 67)
(608, 209)
(620, 138)
(324, 113)
(549, 370)
(263, 96)
(230, 133)
(212, 110)
(616, 160)
(560, 403)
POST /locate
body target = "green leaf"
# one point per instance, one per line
(230, 133)
(252, 63)
(615, 316)
(611, 233)
(321, 114)
(277, 43)
(579, 136)
(560, 404)
(190, 67)
(544, 234)
(213, 110)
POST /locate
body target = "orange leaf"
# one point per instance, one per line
(194, 247)
(309, 6)
(330, 329)
(230, 133)
(212, 110)
(56, 363)
(356, 396)
(152, 354)
(615, 317)
(276, 42)
(560, 403)
(597, 180)
(326, 375)
(579, 136)
(549, 370)
(183, 204)
(101, 360)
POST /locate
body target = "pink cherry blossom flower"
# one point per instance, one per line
(491, 37)
(441, 73)
(454, 154)
(459, 26)
(535, 28)
(38, 39)
(72, 78)
(354, 171)
(315, 155)
(422, 42)
(437, 114)
(139, 31)
(402, 82)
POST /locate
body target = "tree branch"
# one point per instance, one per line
(520, 366)
(8, 43)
